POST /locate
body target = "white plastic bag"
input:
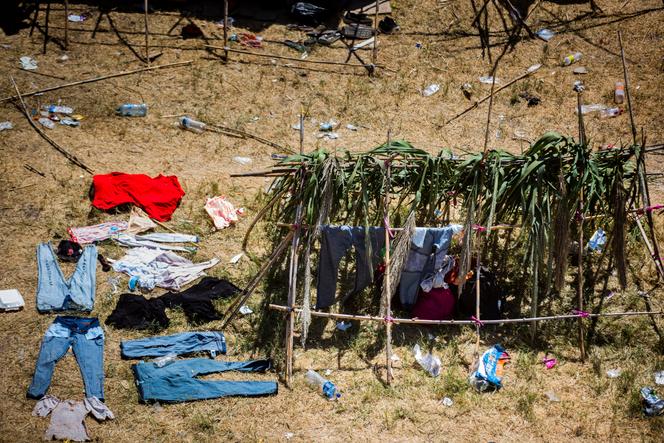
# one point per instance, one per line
(429, 362)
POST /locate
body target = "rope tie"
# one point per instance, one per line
(579, 313)
(477, 321)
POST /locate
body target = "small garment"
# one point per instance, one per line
(135, 241)
(133, 311)
(95, 233)
(154, 267)
(178, 381)
(222, 211)
(336, 242)
(86, 338)
(69, 251)
(428, 249)
(196, 301)
(139, 222)
(437, 304)
(179, 344)
(54, 292)
(158, 196)
(168, 237)
(492, 297)
(68, 417)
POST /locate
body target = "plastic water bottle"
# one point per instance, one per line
(619, 95)
(56, 109)
(165, 360)
(192, 125)
(47, 123)
(572, 58)
(132, 110)
(610, 112)
(431, 90)
(326, 387)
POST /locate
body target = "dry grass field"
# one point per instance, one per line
(263, 96)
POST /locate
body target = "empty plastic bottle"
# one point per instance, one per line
(58, 109)
(192, 125)
(167, 359)
(619, 95)
(431, 90)
(326, 387)
(572, 58)
(610, 112)
(47, 123)
(132, 110)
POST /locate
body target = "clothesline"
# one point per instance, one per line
(293, 226)
(415, 321)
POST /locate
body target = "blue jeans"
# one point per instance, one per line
(184, 343)
(86, 338)
(178, 381)
(54, 292)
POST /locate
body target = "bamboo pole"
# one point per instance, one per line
(96, 79)
(386, 279)
(627, 94)
(579, 287)
(477, 103)
(147, 35)
(66, 25)
(226, 30)
(374, 51)
(416, 321)
(46, 36)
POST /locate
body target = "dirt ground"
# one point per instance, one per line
(265, 96)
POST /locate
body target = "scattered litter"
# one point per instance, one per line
(245, 310)
(614, 373)
(550, 363)
(597, 241)
(364, 43)
(572, 58)
(132, 110)
(288, 435)
(552, 396)
(587, 109)
(580, 70)
(78, 117)
(489, 373)
(69, 122)
(429, 362)
(250, 40)
(63, 58)
(418, 45)
(388, 26)
(328, 372)
(6, 125)
(351, 127)
(11, 300)
(344, 326)
(467, 90)
(659, 378)
(191, 124)
(431, 90)
(57, 109)
(579, 87)
(28, 63)
(531, 69)
(76, 18)
(236, 258)
(447, 402)
(327, 126)
(242, 160)
(610, 112)
(652, 404)
(222, 211)
(545, 34)
(619, 93)
(488, 79)
(166, 360)
(114, 283)
(47, 122)
(325, 387)
(531, 100)
(328, 135)
(231, 22)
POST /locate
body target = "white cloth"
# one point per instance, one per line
(222, 211)
(166, 269)
(139, 222)
(136, 241)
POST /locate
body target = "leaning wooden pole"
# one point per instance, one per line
(147, 35)
(225, 30)
(386, 280)
(66, 25)
(374, 52)
(579, 287)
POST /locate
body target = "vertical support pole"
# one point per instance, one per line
(579, 287)
(627, 92)
(147, 32)
(35, 17)
(386, 279)
(48, 13)
(66, 25)
(374, 52)
(226, 30)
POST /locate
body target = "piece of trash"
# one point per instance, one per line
(288, 435)
(251, 40)
(46, 122)
(610, 112)
(429, 362)
(327, 126)
(113, 282)
(328, 372)
(552, 396)
(520, 133)
(231, 22)
(236, 258)
(76, 18)
(6, 125)
(222, 211)
(328, 135)
(58, 109)
(580, 70)
(489, 373)
(70, 122)
(447, 402)
(323, 386)
(652, 404)
(191, 124)
(545, 34)
(579, 87)
(63, 58)
(549, 362)
(531, 100)
(431, 90)
(614, 373)
(619, 93)
(296, 126)
(351, 127)
(587, 109)
(278, 156)
(28, 63)
(659, 378)
(597, 241)
(343, 326)
(242, 160)
(488, 79)
(572, 58)
(11, 300)
(132, 110)
(531, 69)
(467, 90)
(245, 310)
(77, 117)
(418, 45)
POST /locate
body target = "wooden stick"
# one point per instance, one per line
(147, 36)
(46, 36)
(416, 321)
(386, 279)
(66, 25)
(477, 103)
(374, 49)
(225, 30)
(579, 287)
(96, 79)
(72, 158)
(252, 136)
(627, 94)
(233, 309)
(40, 73)
(281, 57)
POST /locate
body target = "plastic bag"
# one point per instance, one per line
(429, 362)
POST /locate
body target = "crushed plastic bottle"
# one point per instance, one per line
(545, 34)
(132, 110)
(587, 109)
(167, 359)
(431, 90)
(619, 94)
(499, 130)
(610, 112)
(6, 125)
(57, 109)
(652, 404)
(47, 123)
(244, 161)
(192, 125)
(572, 58)
(70, 122)
(326, 387)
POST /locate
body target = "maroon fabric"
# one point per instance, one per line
(158, 197)
(438, 304)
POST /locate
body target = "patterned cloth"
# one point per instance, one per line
(100, 232)
(222, 211)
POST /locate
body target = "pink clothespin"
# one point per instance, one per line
(388, 319)
(477, 321)
(479, 228)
